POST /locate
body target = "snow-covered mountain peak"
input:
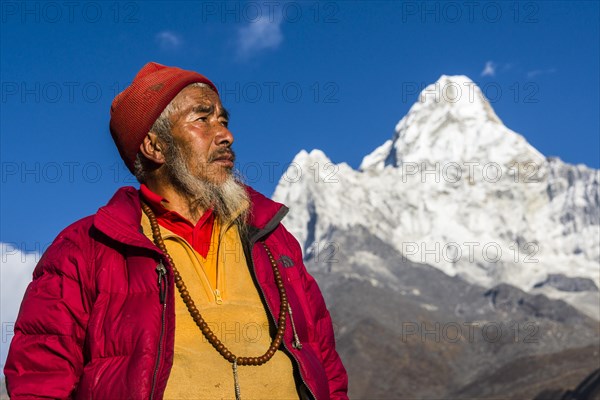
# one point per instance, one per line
(305, 158)
(452, 122)
(457, 95)
(309, 169)
(456, 189)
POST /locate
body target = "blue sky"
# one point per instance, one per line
(295, 75)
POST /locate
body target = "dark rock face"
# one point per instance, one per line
(550, 376)
(567, 284)
(589, 389)
(510, 299)
(408, 331)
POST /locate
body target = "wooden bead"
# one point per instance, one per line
(196, 315)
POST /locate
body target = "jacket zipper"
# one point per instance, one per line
(262, 293)
(218, 298)
(162, 289)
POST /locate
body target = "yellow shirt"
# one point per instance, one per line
(232, 307)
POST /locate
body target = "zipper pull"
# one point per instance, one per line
(218, 297)
(161, 270)
(162, 289)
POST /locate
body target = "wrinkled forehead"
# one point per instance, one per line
(193, 96)
(194, 99)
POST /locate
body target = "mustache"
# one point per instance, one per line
(222, 153)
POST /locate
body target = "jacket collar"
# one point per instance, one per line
(265, 214)
(121, 217)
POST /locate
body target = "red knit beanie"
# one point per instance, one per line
(135, 109)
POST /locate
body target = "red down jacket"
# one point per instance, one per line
(92, 323)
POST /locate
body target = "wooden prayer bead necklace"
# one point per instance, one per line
(195, 313)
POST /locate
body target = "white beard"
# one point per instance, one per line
(229, 200)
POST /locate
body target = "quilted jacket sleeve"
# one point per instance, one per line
(45, 359)
(336, 373)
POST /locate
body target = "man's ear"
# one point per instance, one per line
(152, 148)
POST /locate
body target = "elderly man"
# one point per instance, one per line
(188, 288)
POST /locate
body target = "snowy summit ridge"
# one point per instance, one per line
(452, 120)
(456, 189)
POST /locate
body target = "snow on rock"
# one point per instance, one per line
(456, 189)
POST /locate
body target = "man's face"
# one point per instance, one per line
(199, 129)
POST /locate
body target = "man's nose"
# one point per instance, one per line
(224, 137)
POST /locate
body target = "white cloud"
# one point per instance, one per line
(489, 69)
(168, 40)
(261, 34)
(16, 268)
(536, 72)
